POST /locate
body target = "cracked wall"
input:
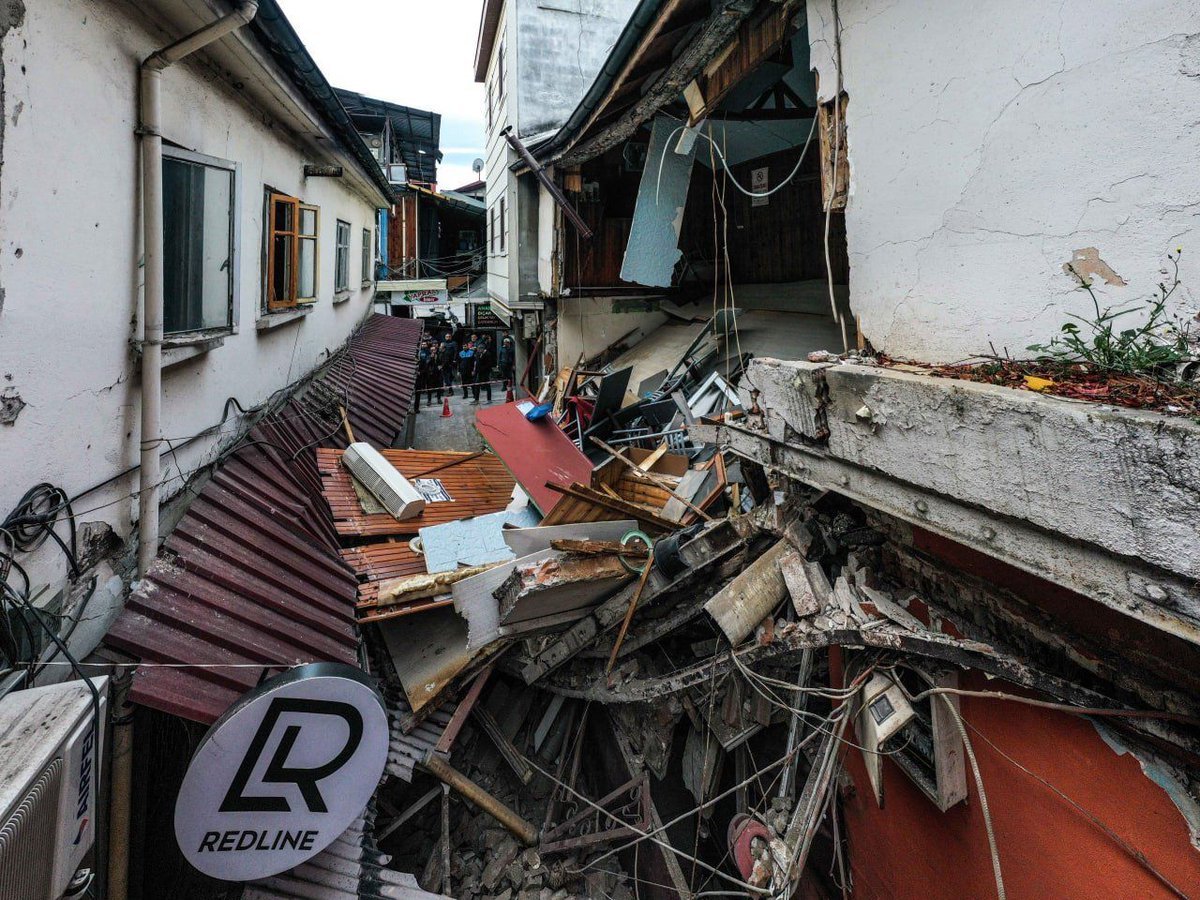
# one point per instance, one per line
(989, 142)
(69, 259)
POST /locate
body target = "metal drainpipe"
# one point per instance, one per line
(152, 224)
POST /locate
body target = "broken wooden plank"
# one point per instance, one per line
(416, 587)
(508, 751)
(751, 596)
(525, 541)
(558, 584)
(648, 518)
(600, 548)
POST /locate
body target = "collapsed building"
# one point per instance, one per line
(733, 603)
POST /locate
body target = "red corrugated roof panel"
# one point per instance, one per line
(477, 482)
(252, 579)
(534, 452)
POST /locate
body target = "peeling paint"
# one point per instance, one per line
(1086, 265)
(12, 15)
(653, 247)
(1162, 776)
(11, 405)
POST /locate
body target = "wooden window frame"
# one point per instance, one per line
(367, 258)
(273, 304)
(339, 286)
(315, 237)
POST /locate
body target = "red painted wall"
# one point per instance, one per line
(1047, 847)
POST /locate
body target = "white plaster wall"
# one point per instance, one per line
(988, 141)
(562, 44)
(69, 258)
(499, 181)
(589, 325)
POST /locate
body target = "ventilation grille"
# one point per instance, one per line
(27, 839)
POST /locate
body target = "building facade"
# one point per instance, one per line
(531, 91)
(269, 243)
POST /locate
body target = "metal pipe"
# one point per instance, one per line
(525, 832)
(120, 786)
(540, 174)
(150, 129)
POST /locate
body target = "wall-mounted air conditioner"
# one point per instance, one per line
(51, 747)
(397, 173)
(393, 491)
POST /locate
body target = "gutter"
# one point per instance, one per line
(289, 53)
(150, 124)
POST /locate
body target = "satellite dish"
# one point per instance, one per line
(477, 166)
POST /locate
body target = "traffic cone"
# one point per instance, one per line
(446, 408)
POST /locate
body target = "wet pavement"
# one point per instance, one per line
(432, 431)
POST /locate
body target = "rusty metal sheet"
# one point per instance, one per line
(477, 482)
(251, 580)
(534, 452)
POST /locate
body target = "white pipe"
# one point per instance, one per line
(152, 224)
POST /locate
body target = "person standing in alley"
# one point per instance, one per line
(466, 365)
(483, 367)
(506, 358)
(426, 375)
(448, 358)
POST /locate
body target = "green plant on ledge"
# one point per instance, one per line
(1161, 342)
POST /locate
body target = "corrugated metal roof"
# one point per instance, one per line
(477, 482)
(408, 749)
(351, 868)
(534, 452)
(251, 579)
(393, 559)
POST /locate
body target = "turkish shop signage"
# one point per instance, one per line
(283, 773)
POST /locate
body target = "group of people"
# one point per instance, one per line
(438, 361)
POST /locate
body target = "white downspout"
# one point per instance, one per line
(152, 223)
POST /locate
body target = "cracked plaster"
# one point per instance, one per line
(997, 144)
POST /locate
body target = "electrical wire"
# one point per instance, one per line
(983, 800)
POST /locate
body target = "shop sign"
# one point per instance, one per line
(425, 295)
(283, 773)
(485, 317)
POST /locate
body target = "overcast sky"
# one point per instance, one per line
(391, 50)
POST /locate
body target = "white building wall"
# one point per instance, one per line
(498, 156)
(990, 141)
(69, 252)
(562, 44)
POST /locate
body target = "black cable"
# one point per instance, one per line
(66, 635)
(34, 518)
(75, 667)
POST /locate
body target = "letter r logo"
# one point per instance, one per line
(278, 771)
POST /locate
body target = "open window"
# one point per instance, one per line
(283, 251)
(199, 249)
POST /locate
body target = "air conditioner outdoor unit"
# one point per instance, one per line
(50, 757)
(393, 491)
(397, 173)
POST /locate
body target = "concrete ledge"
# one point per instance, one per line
(1103, 500)
(269, 321)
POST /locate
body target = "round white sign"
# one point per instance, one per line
(282, 773)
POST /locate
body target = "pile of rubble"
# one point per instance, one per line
(624, 662)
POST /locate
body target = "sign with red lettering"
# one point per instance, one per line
(282, 773)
